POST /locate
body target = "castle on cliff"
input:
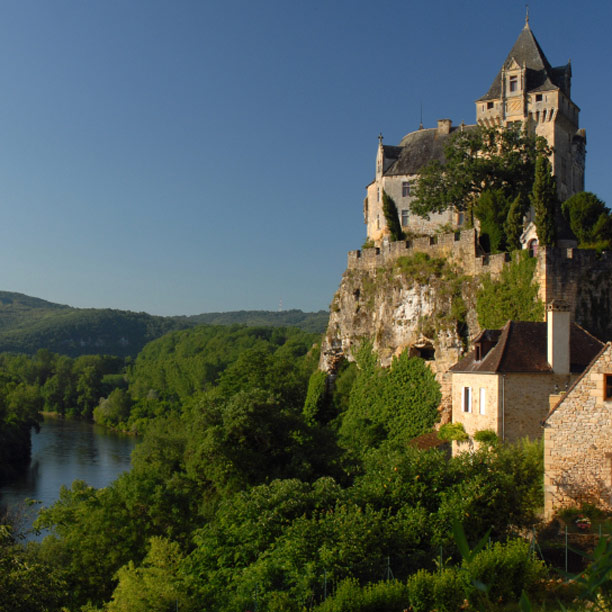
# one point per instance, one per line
(399, 312)
(527, 91)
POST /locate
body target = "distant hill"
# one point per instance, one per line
(28, 324)
(315, 322)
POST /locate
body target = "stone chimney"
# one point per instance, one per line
(558, 336)
(444, 126)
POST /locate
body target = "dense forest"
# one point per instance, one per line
(28, 324)
(258, 485)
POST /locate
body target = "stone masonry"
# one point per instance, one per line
(578, 442)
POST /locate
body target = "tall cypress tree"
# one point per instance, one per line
(392, 217)
(513, 226)
(544, 201)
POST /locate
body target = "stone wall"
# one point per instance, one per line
(578, 443)
(583, 279)
(459, 247)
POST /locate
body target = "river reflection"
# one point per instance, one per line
(64, 451)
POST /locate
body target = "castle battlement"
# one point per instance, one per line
(459, 247)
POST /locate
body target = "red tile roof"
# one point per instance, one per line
(520, 346)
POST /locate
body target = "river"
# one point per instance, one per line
(63, 451)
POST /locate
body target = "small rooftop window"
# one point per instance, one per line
(513, 83)
(490, 105)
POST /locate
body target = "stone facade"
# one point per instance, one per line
(514, 403)
(578, 441)
(528, 91)
(583, 279)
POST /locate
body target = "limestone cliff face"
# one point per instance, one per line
(417, 302)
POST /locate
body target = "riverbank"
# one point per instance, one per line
(66, 449)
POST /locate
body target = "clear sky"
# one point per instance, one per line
(182, 156)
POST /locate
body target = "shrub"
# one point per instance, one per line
(453, 431)
(444, 592)
(391, 596)
(506, 569)
(486, 437)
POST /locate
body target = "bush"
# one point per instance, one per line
(506, 569)
(389, 596)
(444, 592)
(453, 431)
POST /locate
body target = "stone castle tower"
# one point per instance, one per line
(527, 90)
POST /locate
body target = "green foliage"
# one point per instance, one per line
(27, 324)
(174, 370)
(502, 571)
(513, 225)
(391, 596)
(444, 591)
(26, 583)
(114, 411)
(544, 201)
(514, 296)
(311, 322)
(486, 436)
(492, 211)
(397, 403)
(154, 586)
(453, 431)
(315, 397)
(392, 218)
(478, 160)
(589, 219)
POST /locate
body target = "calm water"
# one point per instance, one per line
(64, 451)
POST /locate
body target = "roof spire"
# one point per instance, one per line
(380, 138)
(526, 15)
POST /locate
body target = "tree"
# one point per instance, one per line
(544, 201)
(589, 219)
(513, 296)
(396, 403)
(391, 215)
(513, 226)
(492, 211)
(478, 160)
(155, 586)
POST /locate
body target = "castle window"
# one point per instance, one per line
(490, 105)
(460, 219)
(377, 221)
(405, 188)
(513, 82)
(608, 387)
(538, 97)
(482, 400)
(378, 194)
(466, 399)
(404, 217)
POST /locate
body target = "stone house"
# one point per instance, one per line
(505, 382)
(578, 440)
(527, 91)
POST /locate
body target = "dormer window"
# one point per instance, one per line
(478, 352)
(490, 105)
(538, 97)
(513, 83)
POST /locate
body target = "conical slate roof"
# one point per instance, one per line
(541, 76)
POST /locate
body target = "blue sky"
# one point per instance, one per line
(181, 156)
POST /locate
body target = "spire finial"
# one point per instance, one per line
(421, 124)
(526, 15)
(380, 138)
